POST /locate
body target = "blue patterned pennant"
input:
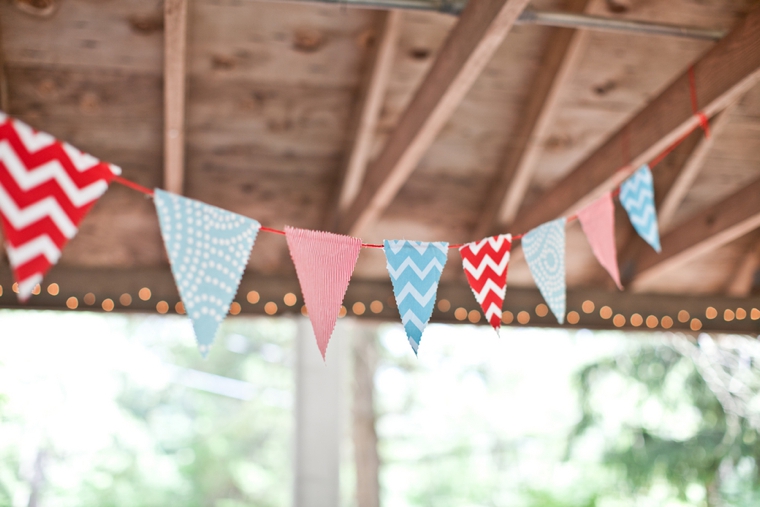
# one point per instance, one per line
(637, 197)
(208, 250)
(415, 268)
(544, 249)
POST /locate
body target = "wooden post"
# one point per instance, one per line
(364, 433)
(175, 49)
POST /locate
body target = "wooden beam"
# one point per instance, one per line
(559, 61)
(725, 72)
(109, 283)
(690, 170)
(743, 279)
(473, 40)
(175, 57)
(731, 218)
(366, 113)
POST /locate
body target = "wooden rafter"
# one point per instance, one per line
(743, 279)
(175, 49)
(725, 72)
(508, 190)
(731, 218)
(366, 114)
(473, 40)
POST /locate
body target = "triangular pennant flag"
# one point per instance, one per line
(208, 249)
(485, 263)
(544, 249)
(637, 197)
(46, 189)
(324, 264)
(415, 268)
(598, 223)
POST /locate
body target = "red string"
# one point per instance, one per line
(703, 122)
(133, 185)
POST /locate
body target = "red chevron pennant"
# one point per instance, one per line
(46, 189)
(485, 263)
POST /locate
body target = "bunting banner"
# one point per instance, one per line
(544, 249)
(598, 223)
(324, 264)
(46, 189)
(415, 268)
(208, 250)
(485, 264)
(637, 198)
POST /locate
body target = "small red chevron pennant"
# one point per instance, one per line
(485, 263)
(46, 189)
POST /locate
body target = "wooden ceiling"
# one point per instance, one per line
(446, 128)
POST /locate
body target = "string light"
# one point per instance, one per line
(89, 299)
(14, 288)
(235, 308)
(573, 317)
(376, 306)
(253, 297)
(711, 312)
(358, 308)
(162, 307)
(636, 320)
(72, 303)
(179, 308)
(343, 312)
(125, 299)
(460, 314)
(144, 294)
(270, 308)
(444, 305)
(588, 306)
(36, 290)
(304, 311)
(652, 321)
(523, 317)
(53, 289)
(683, 316)
(666, 322)
(696, 324)
(619, 320)
(1, 290)
(107, 304)
(507, 317)
(290, 299)
(728, 315)
(542, 310)
(605, 312)
(754, 314)
(473, 316)
(741, 314)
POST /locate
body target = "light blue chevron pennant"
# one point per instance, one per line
(415, 268)
(637, 197)
(208, 250)
(544, 249)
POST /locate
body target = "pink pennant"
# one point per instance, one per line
(598, 222)
(324, 264)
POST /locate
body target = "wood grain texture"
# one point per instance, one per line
(506, 193)
(725, 72)
(366, 114)
(175, 79)
(470, 45)
(714, 227)
(743, 279)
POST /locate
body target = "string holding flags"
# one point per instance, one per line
(208, 249)
(46, 189)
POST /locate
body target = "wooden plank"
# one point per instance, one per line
(712, 228)
(110, 283)
(473, 40)
(743, 279)
(725, 72)
(690, 170)
(560, 60)
(367, 111)
(175, 62)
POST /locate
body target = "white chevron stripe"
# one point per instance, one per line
(43, 208)
(82, 161)
(33, 141)
(410, 290)
(409, 263)
(52, 170)
(490, 286)
(409, 316)
(420, 246)
(496, 243)
(26, 287)
(493, 309)
(41, 245)
(3, 117)
(477, 272)
(396, 245)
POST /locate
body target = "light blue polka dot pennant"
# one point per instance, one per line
(544, 249)
(208, 250)
(637, 197)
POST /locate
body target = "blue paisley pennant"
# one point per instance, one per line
(208, 250)
(415, 268)
(544, 249)
(637, 197)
